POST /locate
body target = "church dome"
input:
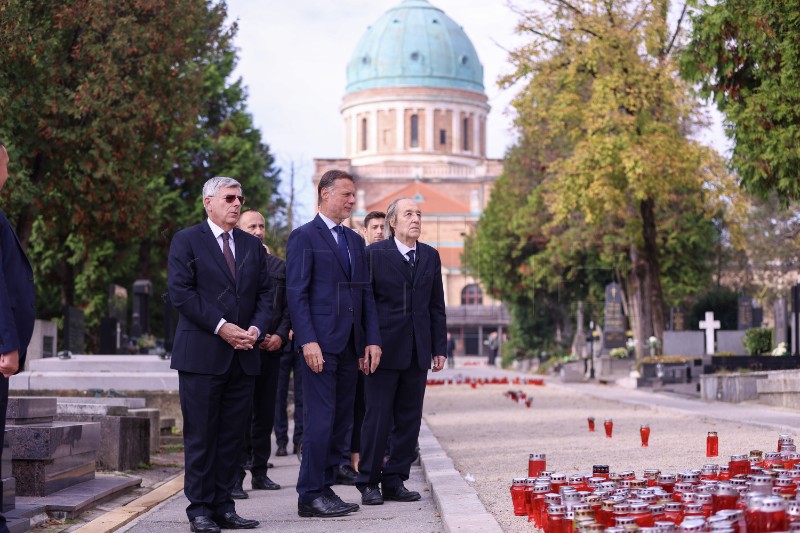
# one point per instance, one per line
(415, 45)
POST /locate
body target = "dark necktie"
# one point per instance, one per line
(226, 251)
(410, 255)
(342, 241)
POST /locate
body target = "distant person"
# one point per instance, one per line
(493, 344)
(451, 350)
(407, 284)
(17, 305)
(258, 436)
(289, 368)
(374, 224)
(374, 227)
(219, 282)
(336, 326)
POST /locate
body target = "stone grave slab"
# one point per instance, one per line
(30, 410)
(154, 417)
(688, 343)
(731, 341)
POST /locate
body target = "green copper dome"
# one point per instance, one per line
(415, 45)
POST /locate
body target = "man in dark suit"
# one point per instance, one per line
(372, 231)
(335, 325)
(409, 296)
(17, 305)
(258, 442)
(290, 368)
(219, 282)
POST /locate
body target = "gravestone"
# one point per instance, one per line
(74, 333)
(709, 325)
(731, 342)
(744, 314)
(677, 319)
(781, 322)
(43, 340)
(140, 320)
(47, 455)
(614, 320)
(685, 343)
(795, 321)
(118, 304)
(110, 335)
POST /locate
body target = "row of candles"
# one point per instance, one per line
(755, 493)
(475, 381)
(608, 426)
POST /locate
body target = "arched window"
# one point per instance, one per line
(471, 295)
(414, 130)
(363, 134)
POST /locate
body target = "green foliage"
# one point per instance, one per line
(723, 302)
(745, 54)
(604, 183)
(114, 114)
(758, 341)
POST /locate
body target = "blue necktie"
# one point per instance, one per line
(342, 241)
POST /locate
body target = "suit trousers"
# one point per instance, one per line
(258, 436)
(394, 411)
(215, 411)
(290, 366)
(328, 398)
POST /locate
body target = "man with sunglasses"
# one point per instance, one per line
(219, 282)
(17, 309)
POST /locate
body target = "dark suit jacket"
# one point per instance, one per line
(203, 291)
(325, 301)
(280, 323)
(17, 294)
(408, 308)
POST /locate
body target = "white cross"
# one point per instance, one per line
(709, 324)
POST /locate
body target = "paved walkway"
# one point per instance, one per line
(449, 503)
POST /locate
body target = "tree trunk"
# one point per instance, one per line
(144, 259)
(655, 297)
(641, 318)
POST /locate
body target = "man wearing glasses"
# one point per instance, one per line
(219, 282)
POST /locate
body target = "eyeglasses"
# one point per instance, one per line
(229, 198)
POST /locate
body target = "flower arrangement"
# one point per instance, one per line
(653, 344)
(780, 349)
(619, 353)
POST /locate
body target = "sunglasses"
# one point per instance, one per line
(229, 198)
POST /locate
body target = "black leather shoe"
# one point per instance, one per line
(234, 521)
(270, 465)
(281, 451)
(327, 491)
(238, 493)
(296, 449)
(264, 483)
(322, 507)
(371, 495)
(401, 494)
(345, 475)
(203, 524)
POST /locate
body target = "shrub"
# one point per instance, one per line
(758, 341)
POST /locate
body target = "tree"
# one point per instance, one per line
(746, 55)
(102, 104)
(623, 187)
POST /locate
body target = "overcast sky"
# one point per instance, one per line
(293, 55)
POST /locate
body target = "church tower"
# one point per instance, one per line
(414, 113)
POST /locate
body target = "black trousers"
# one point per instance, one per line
(358, 416)
(215, 412)
(290, 366)
(258, 436)
(394, 412)
(328, 398)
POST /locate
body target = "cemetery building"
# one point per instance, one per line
(414, 113)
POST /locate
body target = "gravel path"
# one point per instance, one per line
(489, 436)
